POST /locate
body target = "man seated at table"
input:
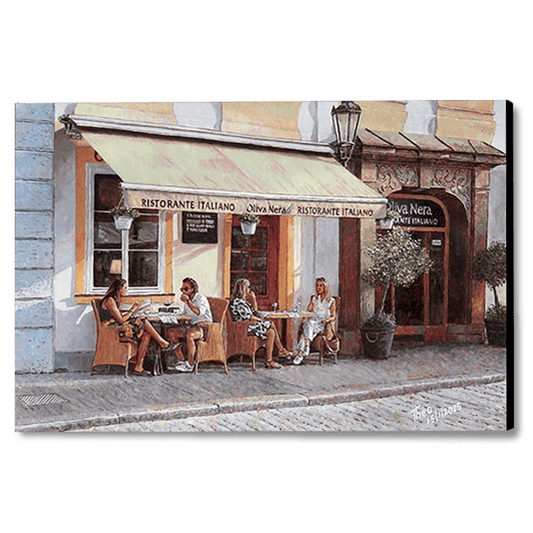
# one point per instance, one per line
(197, 308)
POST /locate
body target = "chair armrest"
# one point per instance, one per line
(212, 329)
(114, 333)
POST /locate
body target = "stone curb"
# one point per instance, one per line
(256, 403)
(399, 390)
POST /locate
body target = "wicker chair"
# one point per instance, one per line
(214, 347)
(111, 349)
(319, 343)
(239, 343)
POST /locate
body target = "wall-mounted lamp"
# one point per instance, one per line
(389, 219)
(346, 118)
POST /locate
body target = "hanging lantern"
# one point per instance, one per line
(346, 118)
(389, 219)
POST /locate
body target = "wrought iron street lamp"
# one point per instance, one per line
(346, 118)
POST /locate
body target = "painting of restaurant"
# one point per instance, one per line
(191, 171)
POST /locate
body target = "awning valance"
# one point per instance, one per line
(172, 173)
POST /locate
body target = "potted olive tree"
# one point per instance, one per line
(249, 223)
(395, 259)
(490, 266)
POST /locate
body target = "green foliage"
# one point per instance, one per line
(249, 217)
(497, 313)
(396, 259)
(490, 265)
(121, 211)
(380, 321)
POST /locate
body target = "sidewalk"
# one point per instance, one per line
(65, 401)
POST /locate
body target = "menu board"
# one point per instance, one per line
(199, 228)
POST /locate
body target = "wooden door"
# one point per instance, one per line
(256, 257)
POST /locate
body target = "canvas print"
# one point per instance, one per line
(263, 266)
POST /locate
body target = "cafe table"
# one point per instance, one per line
(162, 319)
(290, 323)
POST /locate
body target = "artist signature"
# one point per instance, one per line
(433, 414)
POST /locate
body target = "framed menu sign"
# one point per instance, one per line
(199, 228)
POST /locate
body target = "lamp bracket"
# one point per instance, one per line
(70, 127)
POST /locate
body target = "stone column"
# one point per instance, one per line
(480, 210)
(34, 245)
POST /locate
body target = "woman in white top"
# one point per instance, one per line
(323, 306)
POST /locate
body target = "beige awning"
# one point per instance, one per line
(175, 173)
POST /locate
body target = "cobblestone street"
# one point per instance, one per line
(474, 408)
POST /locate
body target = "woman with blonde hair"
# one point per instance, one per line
(323, 306)
(243, 307)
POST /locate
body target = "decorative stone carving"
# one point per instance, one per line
(391, 178)
(456, 181)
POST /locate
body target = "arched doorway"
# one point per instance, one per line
(421, 310)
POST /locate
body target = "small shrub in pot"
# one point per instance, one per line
(490, 266)
(395, 259)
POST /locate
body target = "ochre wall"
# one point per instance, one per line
(466, 119)
(383, 116)
(156, 112)
(262, 119)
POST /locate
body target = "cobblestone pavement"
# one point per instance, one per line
(473, 408)
(66, 401)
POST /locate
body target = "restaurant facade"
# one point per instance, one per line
(192, 169)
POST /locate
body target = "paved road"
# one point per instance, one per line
(474, 408)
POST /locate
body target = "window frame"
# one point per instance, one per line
(92, 169)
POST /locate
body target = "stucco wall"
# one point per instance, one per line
(316, 254)
(203, 262)
(498, 193)
(75, 337)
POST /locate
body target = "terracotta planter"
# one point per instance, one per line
(496, 332)
(377, 342)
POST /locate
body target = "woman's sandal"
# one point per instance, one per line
(272, 364)
(141, 373)
(285, 354)
(172, 346)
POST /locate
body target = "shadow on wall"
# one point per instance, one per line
(75, 339)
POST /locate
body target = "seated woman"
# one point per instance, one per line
(323, 305)
(198, 309)
(137, 328)
(241, 310)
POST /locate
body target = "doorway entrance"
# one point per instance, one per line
(422, 309)
(256, 257)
